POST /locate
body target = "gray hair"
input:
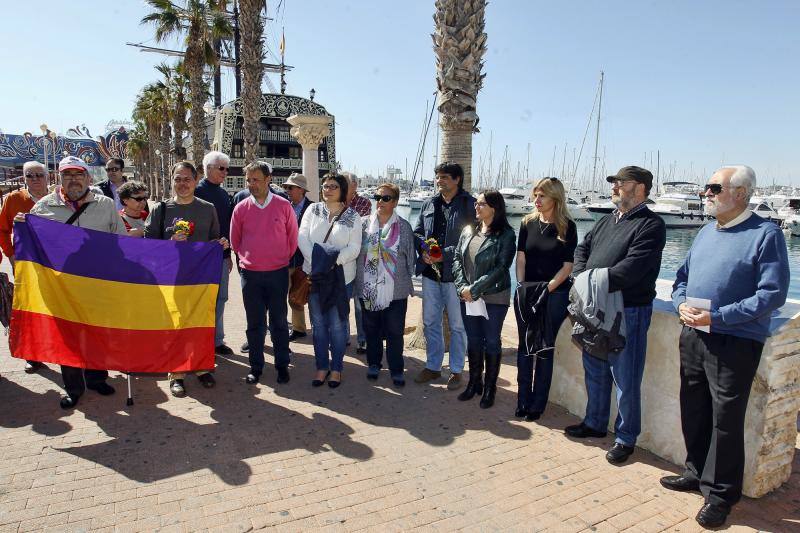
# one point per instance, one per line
(32, 164)
(743, 176)
(263, 166)
(212, 157)
(352, 178)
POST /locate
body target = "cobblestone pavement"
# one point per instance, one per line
(292, 457)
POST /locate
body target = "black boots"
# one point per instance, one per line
(475, 384)
(492, 371)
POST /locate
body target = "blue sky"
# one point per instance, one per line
(703, 82)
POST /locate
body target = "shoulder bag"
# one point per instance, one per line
(301, 284)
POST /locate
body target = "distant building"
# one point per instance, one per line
(276, 145)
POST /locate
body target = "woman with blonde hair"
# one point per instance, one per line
(545, 253)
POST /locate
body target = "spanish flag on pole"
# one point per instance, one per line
(90, 299)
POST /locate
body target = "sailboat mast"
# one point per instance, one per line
(597, 133)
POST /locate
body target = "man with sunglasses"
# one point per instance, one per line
(740, 265)
(98, 214)
(21, 201)
(627, 243)
(116, 178)
(215, 170)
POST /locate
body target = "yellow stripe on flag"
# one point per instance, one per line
(40, 289)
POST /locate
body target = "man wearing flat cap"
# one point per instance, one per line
(628, 242)
(296, 188)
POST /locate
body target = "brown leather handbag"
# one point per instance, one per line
(301, 283)
(301, 286)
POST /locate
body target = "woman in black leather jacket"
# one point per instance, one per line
(481, 267)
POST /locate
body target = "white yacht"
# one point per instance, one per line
(517, 201)
(577, 210)
(416, 198)
(764, 210)
(790, 214)
(681, 210)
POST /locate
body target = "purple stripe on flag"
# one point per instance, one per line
(100, 255)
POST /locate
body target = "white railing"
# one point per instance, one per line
(265, 135)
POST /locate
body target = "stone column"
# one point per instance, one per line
(309, 130)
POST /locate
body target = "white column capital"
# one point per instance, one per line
(309, 130)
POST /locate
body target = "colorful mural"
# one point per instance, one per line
(15, 150)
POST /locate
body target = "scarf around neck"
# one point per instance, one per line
(380, 263)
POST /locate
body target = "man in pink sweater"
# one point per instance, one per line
(264, 235)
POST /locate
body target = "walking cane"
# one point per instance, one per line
(130, 394)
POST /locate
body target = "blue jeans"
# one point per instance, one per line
(625, 370)
(260, 291)
(222, 297)
(358, 310)
(533, 388)
(436, 297)
(329, 333)
(484, 335)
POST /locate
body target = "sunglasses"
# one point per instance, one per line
(31, 175)
(715, 188)
(113, 169)
(222, 169)
(385, 198)
(140, 198)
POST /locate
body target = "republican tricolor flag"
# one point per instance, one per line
(90, 299)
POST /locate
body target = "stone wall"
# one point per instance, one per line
(771, 424)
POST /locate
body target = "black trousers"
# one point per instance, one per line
(388, 323)
(74, 382)
(717, 372)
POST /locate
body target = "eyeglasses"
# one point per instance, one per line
(385, 198)
(617, 184)
(37, 175)
(113, 169)
(329, 187)
(715, 188)
(140, 198)
(222, 169)
(481, 204)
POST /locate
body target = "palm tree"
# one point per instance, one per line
(459, 42)
(252, 61)
(151, 110)
(176, 84)
(202, 21)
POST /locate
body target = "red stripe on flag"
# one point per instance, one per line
(48, 339)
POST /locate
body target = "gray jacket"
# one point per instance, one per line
(406, 258)
(101, 215)
(598, 315)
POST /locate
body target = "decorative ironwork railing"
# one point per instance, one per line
(265, 135)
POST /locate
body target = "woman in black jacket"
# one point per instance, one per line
(545, 253)
(481, 267)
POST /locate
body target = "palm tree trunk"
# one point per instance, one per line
(252, 73)
(198, 94)
(457, 146)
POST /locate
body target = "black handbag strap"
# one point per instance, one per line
(77, 213)
(163, 207)
(332, 223)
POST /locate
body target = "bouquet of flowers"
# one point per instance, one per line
(182, 227)
(432, 248)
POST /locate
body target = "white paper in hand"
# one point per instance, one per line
(699, 303)
(477, 308)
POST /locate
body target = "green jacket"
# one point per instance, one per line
(492, 263)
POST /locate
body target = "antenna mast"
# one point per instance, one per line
(597, 132)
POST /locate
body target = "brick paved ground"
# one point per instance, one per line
(365, 456)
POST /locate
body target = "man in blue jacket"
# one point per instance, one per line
(210, 189)
(442, 218)
(739, 264)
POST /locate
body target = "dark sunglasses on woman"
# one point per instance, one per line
(385, 198)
